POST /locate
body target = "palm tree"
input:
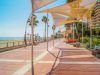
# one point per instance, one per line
(68, 28)
(45, 20)
(35, 24)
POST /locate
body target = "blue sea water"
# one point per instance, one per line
(11, 38)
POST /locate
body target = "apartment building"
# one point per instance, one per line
(96, 14)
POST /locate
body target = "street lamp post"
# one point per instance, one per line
(32, 42)
(47, 32)
(90, 30)
(53, 28)
(82, 32)
(73, 30)
(90, 37)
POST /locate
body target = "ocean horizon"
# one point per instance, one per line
(11, 38)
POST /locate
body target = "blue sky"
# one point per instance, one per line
(14, 14)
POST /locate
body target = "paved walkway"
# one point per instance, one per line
(17, 62)
(69, 60)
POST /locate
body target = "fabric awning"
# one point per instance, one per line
(89, 12)
(69, 31)
(78, 13)
(73, 9)
(63, 9)
(85, 3)
(80, 7)
(58, 19)
(67, 21)
(37, 4)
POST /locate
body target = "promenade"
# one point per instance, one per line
(64, 59)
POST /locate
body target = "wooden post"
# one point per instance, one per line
(18, 43)
(7, 44)
(32, 42)
(47, 32)
(90, 31)
(53, 39)
(82, 32)
(53, 28)
(90, 37)
(13, 44)
(73, 31)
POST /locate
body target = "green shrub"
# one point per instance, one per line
(96, 41)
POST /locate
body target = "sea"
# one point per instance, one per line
(11, 38)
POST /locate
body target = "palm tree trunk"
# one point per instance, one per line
(45, 32)
(78, 32)
(53, 37)
(73, 31)
(33, 34)
(90, 37)
(25, 41)
(82, 33)
(32, 49)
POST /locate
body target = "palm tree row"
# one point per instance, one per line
(45, 20)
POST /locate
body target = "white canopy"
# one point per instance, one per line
(70, 9)
(58, 19)
(36, 4)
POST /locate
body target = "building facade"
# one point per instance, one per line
(96, 14)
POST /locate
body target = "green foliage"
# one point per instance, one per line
(86, 40)
(67, 26)
(68, 1)
(45, 19)
(93, 13)
(97, 31)
(96, 41)
(35, 22)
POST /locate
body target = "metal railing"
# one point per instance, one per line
(8, 44)
(12, 44)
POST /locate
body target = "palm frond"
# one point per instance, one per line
(45, 19)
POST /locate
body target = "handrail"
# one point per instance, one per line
(10, 44)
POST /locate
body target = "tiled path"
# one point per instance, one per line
(17, 62)
(70, 61)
